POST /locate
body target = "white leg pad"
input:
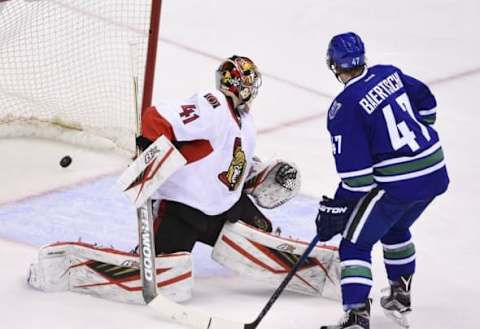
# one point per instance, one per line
(108, 273)
(268, 258)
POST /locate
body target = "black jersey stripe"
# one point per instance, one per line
(360, 211)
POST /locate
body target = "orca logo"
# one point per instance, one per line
(334, 110)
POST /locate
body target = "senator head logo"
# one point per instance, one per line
(233, 176)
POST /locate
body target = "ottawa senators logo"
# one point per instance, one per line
(233, 176)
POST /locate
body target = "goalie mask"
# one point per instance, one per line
(238, 78)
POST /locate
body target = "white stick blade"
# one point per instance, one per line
(189, 316)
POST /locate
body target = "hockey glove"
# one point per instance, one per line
(286, 176)
(332, 217)
(143, 143)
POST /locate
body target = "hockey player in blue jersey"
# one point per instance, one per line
(391, 166)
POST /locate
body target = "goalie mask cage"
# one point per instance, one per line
(77, 70)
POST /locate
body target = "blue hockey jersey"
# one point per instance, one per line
(381, 132)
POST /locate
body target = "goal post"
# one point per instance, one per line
(66, 69)
(151, 59)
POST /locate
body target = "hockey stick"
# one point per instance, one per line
(189, 316)
(201, 320)
(146, 241)
(146, 244)
(281, 287)
(147, 251)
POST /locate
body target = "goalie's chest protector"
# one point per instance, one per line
(213, 183)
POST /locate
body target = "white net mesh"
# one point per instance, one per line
(67, 66)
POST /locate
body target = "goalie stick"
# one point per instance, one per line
(147, 251)
(201, 320)
(144, 206)
(141, 179)
(146, 242)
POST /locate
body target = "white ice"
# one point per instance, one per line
(434, 40)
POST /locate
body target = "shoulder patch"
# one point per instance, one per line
(332, 112)
(212, 100)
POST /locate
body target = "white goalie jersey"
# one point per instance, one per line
(217, 142)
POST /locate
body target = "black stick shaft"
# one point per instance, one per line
(282, 285)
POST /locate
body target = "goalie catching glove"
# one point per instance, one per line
(274, 183)
(286, 176)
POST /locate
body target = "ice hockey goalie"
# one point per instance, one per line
(215, 198)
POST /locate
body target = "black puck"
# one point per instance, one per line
(66, 161)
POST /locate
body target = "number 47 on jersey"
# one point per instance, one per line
(400, 134)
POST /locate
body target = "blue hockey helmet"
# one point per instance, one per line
(345, 51)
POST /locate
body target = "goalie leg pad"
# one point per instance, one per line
(268, 258)
(108, 273)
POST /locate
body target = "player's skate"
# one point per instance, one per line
(397, 305)
(357, 318)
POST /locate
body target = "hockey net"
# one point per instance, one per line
(67, 69)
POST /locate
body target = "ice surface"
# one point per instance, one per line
(435, 40)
